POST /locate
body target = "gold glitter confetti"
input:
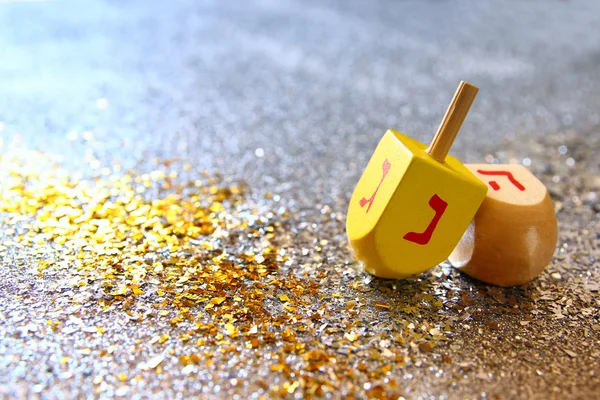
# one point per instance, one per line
(175, 269)
(351, 336)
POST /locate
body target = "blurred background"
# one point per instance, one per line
(292, 97)
(292, 93)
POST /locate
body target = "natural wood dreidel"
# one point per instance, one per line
(513, 235)
(412, 204)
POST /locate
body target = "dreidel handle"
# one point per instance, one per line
(453, 120)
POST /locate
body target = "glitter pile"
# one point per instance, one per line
(150, 247)
(118, 279)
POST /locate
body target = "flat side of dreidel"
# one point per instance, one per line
(372, 194)
(376, 186)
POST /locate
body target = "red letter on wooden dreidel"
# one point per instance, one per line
(507, 174)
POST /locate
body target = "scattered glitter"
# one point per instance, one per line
(174, 272)
(259, 152)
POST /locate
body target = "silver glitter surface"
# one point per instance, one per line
(291, 98)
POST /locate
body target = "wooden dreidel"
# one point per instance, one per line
(412, 204)
(513, 235)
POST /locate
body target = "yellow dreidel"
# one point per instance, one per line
(412, 204)
(513, 235)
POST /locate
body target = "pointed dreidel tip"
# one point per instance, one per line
(452, 121)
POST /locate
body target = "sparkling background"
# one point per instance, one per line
(292, 98)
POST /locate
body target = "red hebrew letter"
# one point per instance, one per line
(386, 168)
(439, 206)
(507, 174)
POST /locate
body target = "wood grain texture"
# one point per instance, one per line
(513, 236)
(452, 121)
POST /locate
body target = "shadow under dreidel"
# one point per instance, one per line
(513, 236)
